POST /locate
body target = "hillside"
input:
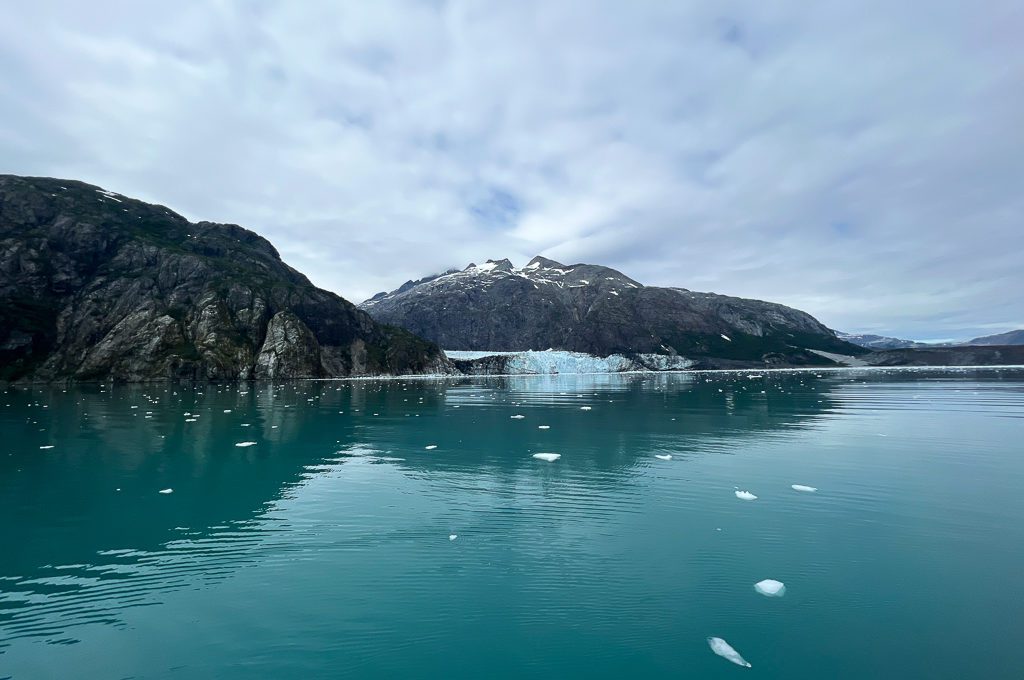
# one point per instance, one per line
(95, 286)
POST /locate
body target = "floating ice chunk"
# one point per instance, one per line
(770, 587)
(166, 491)
(47, 446)
(543, 427)
(452, 537)
(430, 447)
(801, 487)
(663, 456)
(585, 408)
(746, 496)
(549, 457)
(725, 650)
(246, 444)
(517, 416)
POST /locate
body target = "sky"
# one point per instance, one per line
(862, 161)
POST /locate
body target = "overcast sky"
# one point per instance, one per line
(862, 161)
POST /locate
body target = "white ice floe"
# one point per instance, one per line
(543, 427)
(48, 446)
(770, 587)
(452, 537)
(549, 457)
(166, 490)
(246, 444)
(430, 447)
(517, 416)
(746, 496)
(663, 456)
(802, 487)
(725, 650)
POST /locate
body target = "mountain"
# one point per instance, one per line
(95, 285)
(879, 341)
(597, 310)
(1008, 338)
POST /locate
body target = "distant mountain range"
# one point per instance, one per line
(597, 310)
(885, 342)
(96, 285)
(879, 341)
(1008, 338)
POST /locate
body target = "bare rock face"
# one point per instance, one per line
(598, 310)
(290, 349)
(98, 286)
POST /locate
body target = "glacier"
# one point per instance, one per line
(548, 362)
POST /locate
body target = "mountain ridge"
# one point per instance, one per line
(597, 310)
(97, 285)
(1015, 337)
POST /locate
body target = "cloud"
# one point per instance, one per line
(861, 162)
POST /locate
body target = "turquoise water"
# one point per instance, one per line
(324, 549)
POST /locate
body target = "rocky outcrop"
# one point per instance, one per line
(599, 311)
(95, 285)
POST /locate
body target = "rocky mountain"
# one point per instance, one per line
(597, 310)
(95, 285)
(878, 341)
(1008, 338)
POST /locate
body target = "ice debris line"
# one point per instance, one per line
(551, 361)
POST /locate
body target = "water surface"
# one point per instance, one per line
(324, 549)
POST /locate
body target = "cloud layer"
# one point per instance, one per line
(861, 161)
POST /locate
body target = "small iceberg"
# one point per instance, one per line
(430, 447)
(549, 457)
(166, 491)
(770, 587)
(452, 537)
(725, 650)
(801, 487)
(246, 444)
(663, 456)
(746, 496)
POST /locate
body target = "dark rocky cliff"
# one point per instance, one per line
(95, 285)
(594, 309)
